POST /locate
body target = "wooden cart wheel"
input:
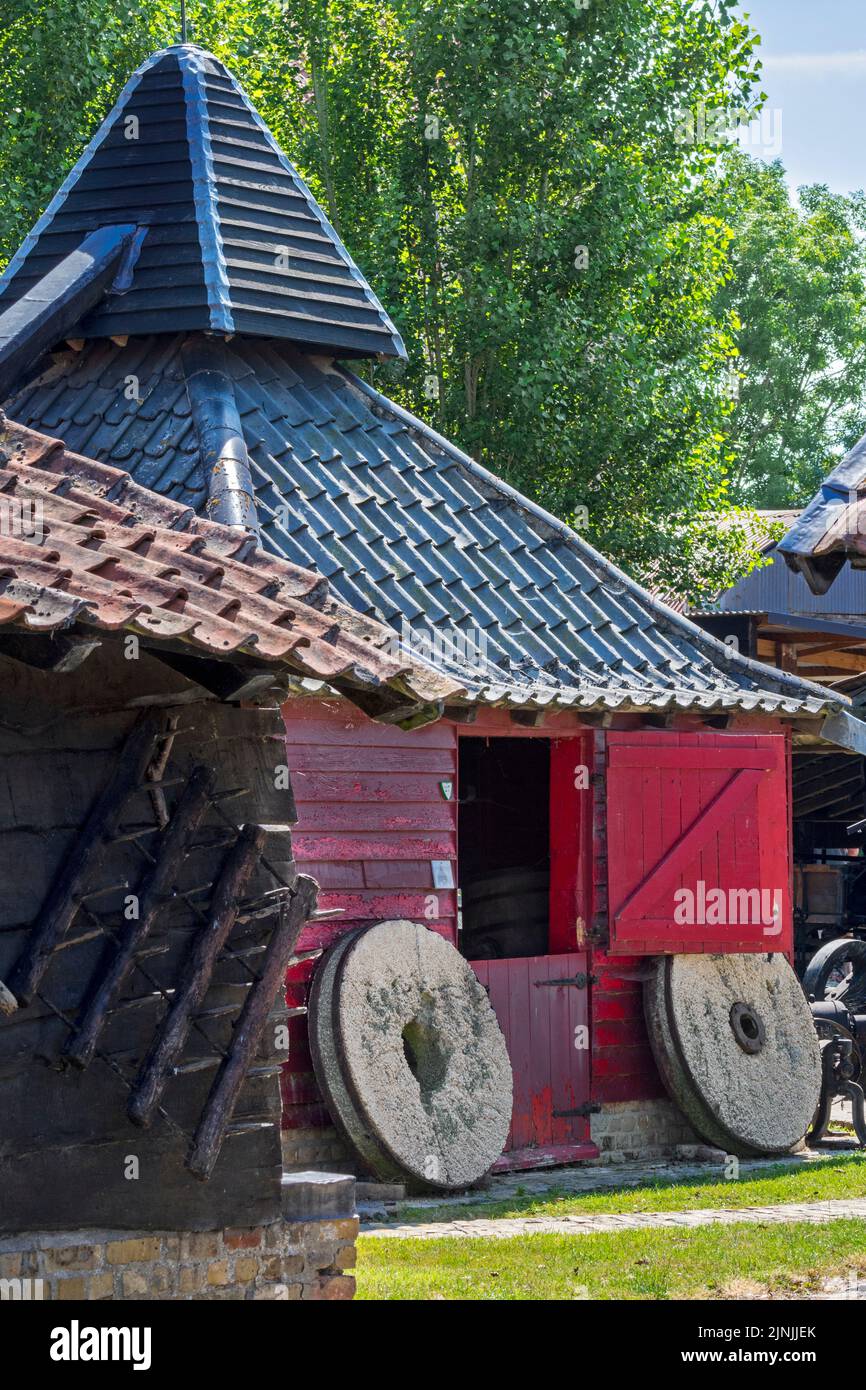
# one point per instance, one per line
(838, 971)
(409, 1056)
(735, 1044)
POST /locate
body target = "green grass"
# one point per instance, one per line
(844, 1176)
(708, 1262)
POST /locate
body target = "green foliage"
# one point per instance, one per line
(798, 292)
(513, 178)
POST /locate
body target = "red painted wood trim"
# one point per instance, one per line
(665, 873)
(630, 755)
(555, 1155)
(570, 845)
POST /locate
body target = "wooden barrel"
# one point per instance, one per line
(507, 914)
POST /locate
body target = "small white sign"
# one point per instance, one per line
(443, 873)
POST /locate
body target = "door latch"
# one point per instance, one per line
(576, 981)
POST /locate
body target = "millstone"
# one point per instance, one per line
(736, 1047)
(410, 1057)
(327, 1066)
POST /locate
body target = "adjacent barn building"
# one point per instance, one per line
(594, 784)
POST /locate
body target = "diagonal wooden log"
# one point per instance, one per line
(170, 851)
(196, 974)
(217, 1113)
(69, 887)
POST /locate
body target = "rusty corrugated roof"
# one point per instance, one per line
(81, 542)
(832, 528)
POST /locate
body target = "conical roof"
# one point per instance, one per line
(232, 239)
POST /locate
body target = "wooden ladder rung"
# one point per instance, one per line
(221, 1012)
(197, 1064)
(246, 1127)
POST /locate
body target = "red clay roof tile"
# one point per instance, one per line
(95, 547)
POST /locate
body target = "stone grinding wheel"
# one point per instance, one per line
(736, 1047)
(409, 1056)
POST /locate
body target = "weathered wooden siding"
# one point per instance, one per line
(66, 1139)
(372, 818)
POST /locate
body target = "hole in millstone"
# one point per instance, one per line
(747, 1028)
(426, 1058)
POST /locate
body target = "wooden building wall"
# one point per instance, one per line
(372, 818)
(66, 1140)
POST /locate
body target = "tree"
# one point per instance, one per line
(512, 176)
(798, 292)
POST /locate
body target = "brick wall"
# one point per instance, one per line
(309, 1254)
(640, 1129)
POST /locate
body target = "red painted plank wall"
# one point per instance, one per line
(623, 1068)
(371, 818)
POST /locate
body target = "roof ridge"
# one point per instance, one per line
(204, 188)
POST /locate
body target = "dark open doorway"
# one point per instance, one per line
(504, 846)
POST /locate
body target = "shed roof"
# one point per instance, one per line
(832, 528)
(230, 238)
(408, 530)
(81, 542)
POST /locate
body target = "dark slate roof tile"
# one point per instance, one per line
(235, 240)
(407, 529)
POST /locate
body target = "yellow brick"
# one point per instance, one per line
(160, 1281)
(346, 1257)
(218, 1272)
(347, 1229)
(128, 1252)
(70, 1257)
(101, 1286)
(72, 1288)
(135, 1285)
(245, 1270)
(10, 1266)
(204, 1245)
(189, 1280)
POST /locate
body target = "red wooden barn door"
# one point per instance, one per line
(698, 843)
(542, 1006)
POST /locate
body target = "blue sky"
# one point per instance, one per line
(814, 55)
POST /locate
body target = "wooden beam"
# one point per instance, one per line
(196, 974)
(52, 307)
(528, 718)
(841, 661)
(68, 889)
(248, 1030)
(170, 853)
(58, 651)
(224, 679)
(460, 714)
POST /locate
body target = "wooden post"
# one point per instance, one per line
(248, 1030)
(195, 977)
(69, 887)
(80, 1048)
